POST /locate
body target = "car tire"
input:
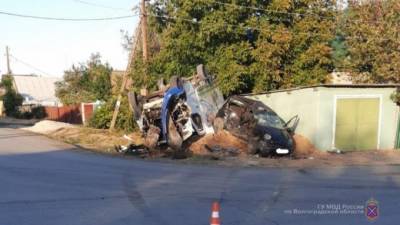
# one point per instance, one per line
(252, 148)
(202, 73)
(161, 84)
(152, 137)
(174, 138)
(135, 105)
(175, 81)
(266, 153)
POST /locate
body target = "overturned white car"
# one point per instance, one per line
(177, 111)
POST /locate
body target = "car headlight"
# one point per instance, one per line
(267, 137)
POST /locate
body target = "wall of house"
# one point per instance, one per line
(316, 109)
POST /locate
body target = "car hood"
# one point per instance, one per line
(280, 137)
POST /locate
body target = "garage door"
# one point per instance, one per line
(357, 121)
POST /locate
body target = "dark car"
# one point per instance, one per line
(266, 133)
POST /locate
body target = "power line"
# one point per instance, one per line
(66, 19)
(310, 34)
(29, 65)
(308, 13)
(274, 11)
(194, 21)
(100, 5)
(173, 18)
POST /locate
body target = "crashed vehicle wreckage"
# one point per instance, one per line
(195, 106)
(178, 110)
(264, 131)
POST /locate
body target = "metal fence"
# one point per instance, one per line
(67, 114)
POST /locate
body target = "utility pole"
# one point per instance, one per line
(8, 60)
(143, 20)
(140, 29)
(131, 59)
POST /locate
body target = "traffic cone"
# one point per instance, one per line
(215, 214)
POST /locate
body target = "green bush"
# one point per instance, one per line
(38, 112)
(101, 119)
(11, 102)
(24, 115)
(103, 115)
(28, 112)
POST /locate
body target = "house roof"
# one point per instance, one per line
(36, 89)
(331, 86)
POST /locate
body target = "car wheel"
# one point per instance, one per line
(175, 81)
(267, 152)
(135, 105)
(202, 73)
(174, 138)
(161, 84)
(252, 148)
(152, 137)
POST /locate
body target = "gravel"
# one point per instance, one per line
(47, 126)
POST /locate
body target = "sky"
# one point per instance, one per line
(51, 47)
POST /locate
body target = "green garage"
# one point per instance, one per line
(345, 117)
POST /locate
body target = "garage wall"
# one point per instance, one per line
(316, 109)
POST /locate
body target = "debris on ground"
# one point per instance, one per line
(47, 126)
(335, 151)
(132, 149)
(217, 151)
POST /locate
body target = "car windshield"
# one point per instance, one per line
(269, 118)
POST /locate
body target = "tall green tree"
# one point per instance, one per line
(250, 45)
(85, 83)
(11, 99)
(372, 38)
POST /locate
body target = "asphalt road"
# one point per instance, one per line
(46, 182)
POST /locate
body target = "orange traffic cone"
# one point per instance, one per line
(215, 214)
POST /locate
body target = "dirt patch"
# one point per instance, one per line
(221, 139)
(304, 148)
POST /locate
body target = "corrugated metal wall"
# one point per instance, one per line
(67, 114)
